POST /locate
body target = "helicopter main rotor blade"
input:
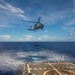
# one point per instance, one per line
(39, 19)
(29, 21)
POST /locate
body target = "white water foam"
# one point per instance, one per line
(10, 61)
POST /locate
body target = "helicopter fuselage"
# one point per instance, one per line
(37, 26)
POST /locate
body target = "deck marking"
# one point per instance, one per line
(40, 68)
(28, 68)
(66, 74)
(45, 68)
(33, 74)
(46, 72)
(23, 70)
(59, 63)
(72, 64)
(69, 71)
(54, 68)
(71, 67)
(35, 68)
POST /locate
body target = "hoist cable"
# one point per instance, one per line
(37, 35)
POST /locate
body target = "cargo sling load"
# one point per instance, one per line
(36, 27)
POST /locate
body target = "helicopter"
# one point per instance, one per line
(37, 25)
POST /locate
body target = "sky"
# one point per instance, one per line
(58, 17)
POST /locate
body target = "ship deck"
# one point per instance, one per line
(47, 68)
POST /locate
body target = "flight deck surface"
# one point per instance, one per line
(49, 68)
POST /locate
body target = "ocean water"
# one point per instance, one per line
(14, 53)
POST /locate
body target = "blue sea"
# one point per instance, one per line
(14, 53)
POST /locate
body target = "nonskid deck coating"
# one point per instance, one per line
(49, 68)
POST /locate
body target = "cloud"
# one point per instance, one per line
(52, 17)
(3, 7)
(23, 17)
(28, 37)
(31, 37)
(5, 37)
(5, 26)
(46, 31)
(45, 36)
(10, 14)
(71, 22)
(74, 5)
(57, 38)
(71, 34)
(69, 25)
(14, 9)
(48, 38)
